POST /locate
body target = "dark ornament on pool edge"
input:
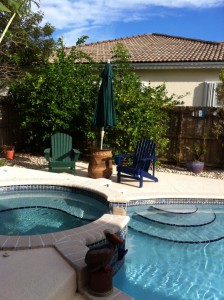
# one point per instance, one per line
(195, 166)
(98, 263)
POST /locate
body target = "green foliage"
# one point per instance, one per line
(2, 163)
(59, 97)
(195, 152)
(142, 111)
(18, 6)
(220, 89)
(219, 122)
(11, 8)
(4, 8)
(25, 44)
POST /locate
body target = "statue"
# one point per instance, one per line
(98, 263)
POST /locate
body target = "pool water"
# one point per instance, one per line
(183, 262)
(41, 212)
(37, 220)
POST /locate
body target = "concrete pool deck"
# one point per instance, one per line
(43, 273)
(170, 185)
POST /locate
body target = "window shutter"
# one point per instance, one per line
(210, 97)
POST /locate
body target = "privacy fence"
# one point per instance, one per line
(194, 126)
(7, 126)
(188, 126)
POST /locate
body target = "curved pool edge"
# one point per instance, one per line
(74, 251)
(70, 244)
(22, 176)
(87, 234)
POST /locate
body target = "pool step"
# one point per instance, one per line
(199, 218)
(197, 227)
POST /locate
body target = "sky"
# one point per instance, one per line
(104, 20)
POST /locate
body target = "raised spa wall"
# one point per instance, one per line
(73, 244)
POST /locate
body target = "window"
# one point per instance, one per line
(210, 95)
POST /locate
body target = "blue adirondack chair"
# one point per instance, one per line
(61, 157)
(143, 157)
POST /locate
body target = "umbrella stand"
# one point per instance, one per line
(100, 161)
(101, 138)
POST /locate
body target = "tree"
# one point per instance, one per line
(61, 96)
(14, 8)
(24, 45)
(58, 97)
(142, 111)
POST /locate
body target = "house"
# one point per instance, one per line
(187, 66)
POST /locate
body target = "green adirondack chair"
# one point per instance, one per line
(61, 157)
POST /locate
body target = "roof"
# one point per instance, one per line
(157, 48)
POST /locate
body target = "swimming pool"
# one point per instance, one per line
(33, 210)
(175, 253)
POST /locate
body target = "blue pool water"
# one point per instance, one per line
(173, 255)
(46, 211)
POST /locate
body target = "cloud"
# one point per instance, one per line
(77, 17)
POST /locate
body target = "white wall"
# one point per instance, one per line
(181, 82)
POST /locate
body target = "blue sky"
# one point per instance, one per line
(111, 19)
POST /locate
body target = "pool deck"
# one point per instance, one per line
(47, 273)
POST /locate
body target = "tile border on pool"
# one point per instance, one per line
(86, 234)
(41, 187)
(73, 244)
(168, 201)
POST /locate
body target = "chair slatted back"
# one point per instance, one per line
(144, 149)
(61, 146)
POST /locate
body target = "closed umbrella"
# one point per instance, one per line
(105, 115)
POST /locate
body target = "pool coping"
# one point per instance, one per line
(72, 246)
(100, 187)
(117, 198)
(84, 235)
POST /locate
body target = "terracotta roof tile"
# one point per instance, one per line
(159, 48)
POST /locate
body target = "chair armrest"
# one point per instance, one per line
(76, 154)
(119, 157)
(148, 158)
(124, 155)
(47, 153)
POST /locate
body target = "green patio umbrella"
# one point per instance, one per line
(105, 115)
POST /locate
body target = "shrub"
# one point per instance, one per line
(142, 111)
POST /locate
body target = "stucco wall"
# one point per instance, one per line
(181, 82)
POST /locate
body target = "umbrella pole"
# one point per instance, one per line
(102, 136)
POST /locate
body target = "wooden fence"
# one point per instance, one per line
(188, 125)
(6, 125)
(9, 128)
